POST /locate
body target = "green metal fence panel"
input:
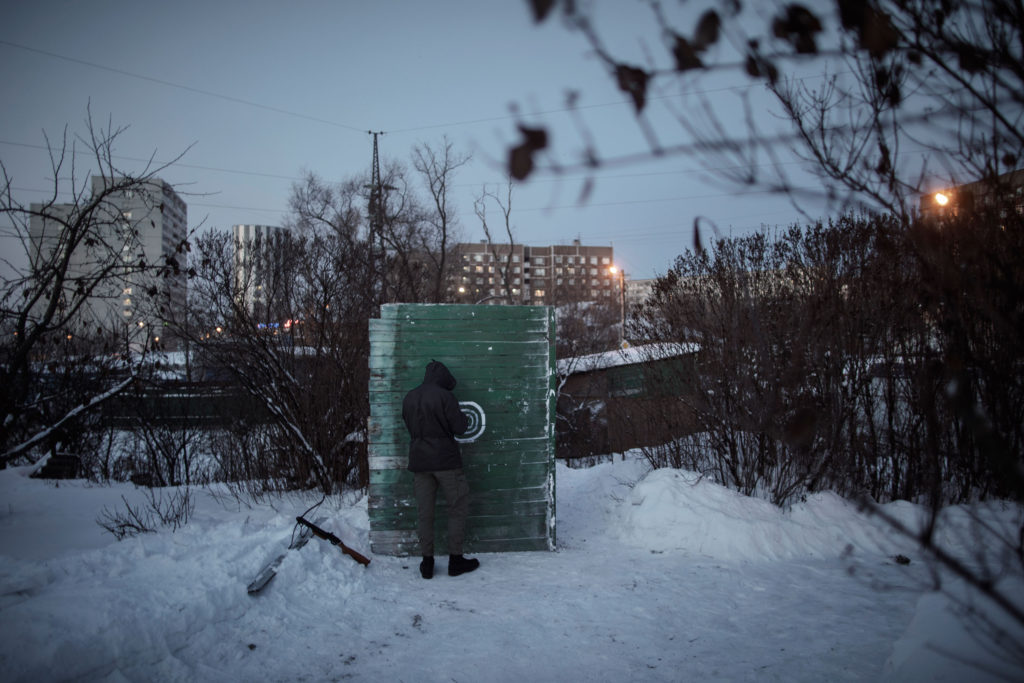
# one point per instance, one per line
(503, 358)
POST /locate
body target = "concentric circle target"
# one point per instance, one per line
(477, 421)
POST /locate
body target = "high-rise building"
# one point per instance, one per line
(258, 256)
(146, 223)
(548, 275)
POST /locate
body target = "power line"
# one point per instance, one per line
(412, 129)
(727, 144)
(160, 81)
(598, 205)
(566, 177)
(190, 204)
(158, 163)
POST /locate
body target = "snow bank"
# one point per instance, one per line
(776, 603)
(676, 510)
(958, 635)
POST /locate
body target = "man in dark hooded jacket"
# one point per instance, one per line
(432, 416)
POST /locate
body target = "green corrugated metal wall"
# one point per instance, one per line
(503, 358)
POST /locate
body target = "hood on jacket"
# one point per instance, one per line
(437, 373)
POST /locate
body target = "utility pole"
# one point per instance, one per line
(376, 216)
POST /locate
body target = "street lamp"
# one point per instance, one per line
(622, 304)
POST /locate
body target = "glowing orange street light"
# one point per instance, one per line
(622, 303)
(941, 198)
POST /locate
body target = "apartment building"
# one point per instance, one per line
(538, 275)
(637, 291)
(146, 223)
(257, 263)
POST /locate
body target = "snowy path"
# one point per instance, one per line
(553, 617)
(612, 604)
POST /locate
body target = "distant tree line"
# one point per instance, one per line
(865, 356)
(270, 387)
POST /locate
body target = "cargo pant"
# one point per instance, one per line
(456, 492)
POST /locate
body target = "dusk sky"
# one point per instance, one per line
(264, 91)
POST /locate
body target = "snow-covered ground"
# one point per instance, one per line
(658, 577)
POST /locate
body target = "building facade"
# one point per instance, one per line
(541, 276)
(258, 253)
(637, 292)
(144, 224)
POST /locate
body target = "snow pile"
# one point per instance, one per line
(674, 510)
(659, 576)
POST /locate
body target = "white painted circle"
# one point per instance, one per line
(477, 421)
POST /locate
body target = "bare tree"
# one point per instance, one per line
(78, 252)
(865, 358)
(417, 238)
(417, 242)
(915, 95)
(301, 350)
(913, 92)
(506, 272)
(307, 369)
(437, 167)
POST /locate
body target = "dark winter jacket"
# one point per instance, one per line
(432, 416)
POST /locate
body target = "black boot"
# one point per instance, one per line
(427, 567)
(457, 564)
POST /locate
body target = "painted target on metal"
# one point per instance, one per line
(477, 421)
